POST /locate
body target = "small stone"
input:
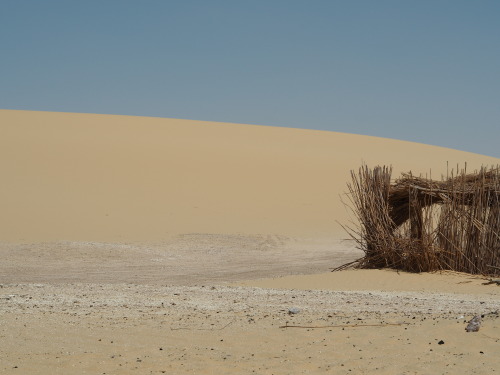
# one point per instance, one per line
(474, 324)
(441, 342)
(293, 310)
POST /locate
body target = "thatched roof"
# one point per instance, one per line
(465, 189)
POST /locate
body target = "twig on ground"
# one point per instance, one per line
(491, 281)
(490, 337)
(202, 329)
(347, 265)
(347, 325)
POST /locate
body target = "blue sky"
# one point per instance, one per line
(423, 71)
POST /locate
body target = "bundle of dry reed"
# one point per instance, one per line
(417, 224)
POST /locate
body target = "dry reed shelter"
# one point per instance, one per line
(417, 224)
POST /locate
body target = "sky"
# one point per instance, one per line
(425, 71)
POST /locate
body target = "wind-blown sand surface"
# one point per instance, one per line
(146, 245)
(83, 177)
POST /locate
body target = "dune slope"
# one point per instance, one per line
(92, 177)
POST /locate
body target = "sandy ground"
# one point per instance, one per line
(94, 313)
(134, 245)
(127, 328)
(190, 259)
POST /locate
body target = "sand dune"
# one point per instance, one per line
(92, 177)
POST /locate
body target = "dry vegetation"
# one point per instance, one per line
(418, 224)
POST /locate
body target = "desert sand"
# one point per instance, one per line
(84, 177)
(148, 245)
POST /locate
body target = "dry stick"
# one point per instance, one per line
(202, 329)
(347, 325)
(497, 268)
(490, 337)
(347, 265)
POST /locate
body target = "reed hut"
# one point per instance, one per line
(418, 224)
